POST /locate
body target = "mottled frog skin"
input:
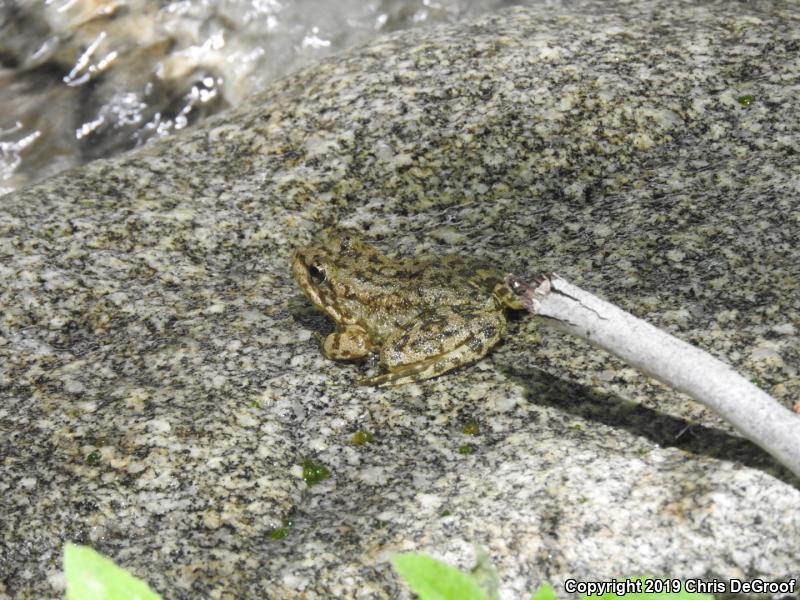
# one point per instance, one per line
(423, 316)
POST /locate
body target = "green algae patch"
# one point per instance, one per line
(471, 428)
(746, 100)
(361, 437)
(313, 473)
(282, 532)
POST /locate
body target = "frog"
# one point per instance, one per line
(421, 316)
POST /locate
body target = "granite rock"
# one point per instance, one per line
(161, 383)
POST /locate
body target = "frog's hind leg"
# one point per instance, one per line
(435, 346)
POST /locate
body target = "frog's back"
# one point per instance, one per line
(456, 281)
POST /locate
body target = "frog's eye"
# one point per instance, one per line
(317, 275)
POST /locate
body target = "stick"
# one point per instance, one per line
(753, 412)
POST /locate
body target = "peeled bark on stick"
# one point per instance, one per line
(753, 412)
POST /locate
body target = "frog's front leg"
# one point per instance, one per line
(350, 343)
(437, 343)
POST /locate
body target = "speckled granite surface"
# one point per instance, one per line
(160, 380)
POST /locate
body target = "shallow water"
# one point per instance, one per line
(83, 79)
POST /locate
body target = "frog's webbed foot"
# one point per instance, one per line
(436, 345)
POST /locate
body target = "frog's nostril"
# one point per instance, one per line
(317, 275)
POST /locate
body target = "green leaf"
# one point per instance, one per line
(654, 596)
(545, 592)
(431, 579)
(663, 595)
(91, 576)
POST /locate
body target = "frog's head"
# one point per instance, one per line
(322, 271)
